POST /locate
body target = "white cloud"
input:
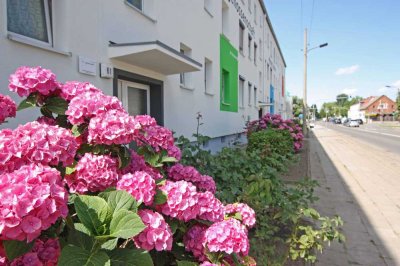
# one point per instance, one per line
(347, 70)
(383, 90)
(396, 84)
(349, 91)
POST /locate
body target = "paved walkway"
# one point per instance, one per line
(361, 183)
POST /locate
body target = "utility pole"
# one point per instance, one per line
(305, 131)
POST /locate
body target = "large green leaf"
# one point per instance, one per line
(125, 224)
(119, 199)
(161, 197)
(56, 105)
(14, 248)
(130, 257)
(94, 213)
(80, 239)
(76, 256)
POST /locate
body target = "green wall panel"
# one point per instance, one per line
(228, 76)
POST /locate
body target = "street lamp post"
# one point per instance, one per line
(306, 51)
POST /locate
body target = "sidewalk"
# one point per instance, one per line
(370, 237)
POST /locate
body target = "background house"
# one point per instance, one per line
(170, 59)
(378, 108)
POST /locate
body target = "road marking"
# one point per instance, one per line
(380, 133)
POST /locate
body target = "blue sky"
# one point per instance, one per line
(363, 54)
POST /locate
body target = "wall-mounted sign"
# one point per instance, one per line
(87, 66)
(243, 16)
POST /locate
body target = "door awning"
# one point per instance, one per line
(155, 56)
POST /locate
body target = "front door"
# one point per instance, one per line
(135, 97)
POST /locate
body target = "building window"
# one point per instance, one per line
(207, 75)
(225, 18)
(249, 46)
(249, 5)
(249, 94)
(241, 92)
(267, 71)
(30, 20)
(255, 13)
(208, 6)
(136, 3)
(260, 44)
(225, 87)
(255, 96)
(255, 53)
(185, 78)
(241, 36)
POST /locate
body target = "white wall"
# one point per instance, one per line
(84, 28)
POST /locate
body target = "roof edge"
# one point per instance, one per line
(272, 29)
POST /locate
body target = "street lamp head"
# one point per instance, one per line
(323, 45)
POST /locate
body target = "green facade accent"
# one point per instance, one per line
(229, 76)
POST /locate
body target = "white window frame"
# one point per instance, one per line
(241, 36)
(48, 28)
(241, 92)
(123, 95)
(208, 76)
(249, 89)
(255, 90)
(132, 5)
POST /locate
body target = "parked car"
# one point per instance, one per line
(312, 124)
(360, 121)
(345, 122)
(354, 123)
(338, 121)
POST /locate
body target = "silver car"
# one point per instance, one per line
(354, 123)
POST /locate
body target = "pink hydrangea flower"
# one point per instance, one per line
(3, 258)
(228, 236)
(145, 120)
(247, 213)
(140, 185)
(113, 127)
(211, 208)
(175, 152)
(90, 104)
(179, 172)
(27, 80)
(157, 137)
(157, 234)
(71, 89)
(8, 108)
(32, 199)
(36, 142)
(207, 263)
(44, 252)
(93, 173)
(139, 164)
(193, 241)
(181, 202)
(46, 120)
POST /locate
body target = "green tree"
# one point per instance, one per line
(297, 106)
(341, 99)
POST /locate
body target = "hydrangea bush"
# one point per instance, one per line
(276, 121)
(73, 193)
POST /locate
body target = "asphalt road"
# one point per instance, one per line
(387, 139)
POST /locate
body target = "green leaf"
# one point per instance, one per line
(125, 224)
(169, 160)
(56, 105)
(80, 239)
(130, 257)
(110, 244)
(119, 199)
(30, 101)
(124, 157)
(69, 170)
(46, 112)
(161, 197)
(77, 130)
(94, 213)
(186, 263)
(14, 248)
(76, 256)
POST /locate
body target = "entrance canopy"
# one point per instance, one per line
(155, 56)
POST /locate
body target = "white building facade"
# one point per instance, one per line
(355, 112)
(170, 59)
